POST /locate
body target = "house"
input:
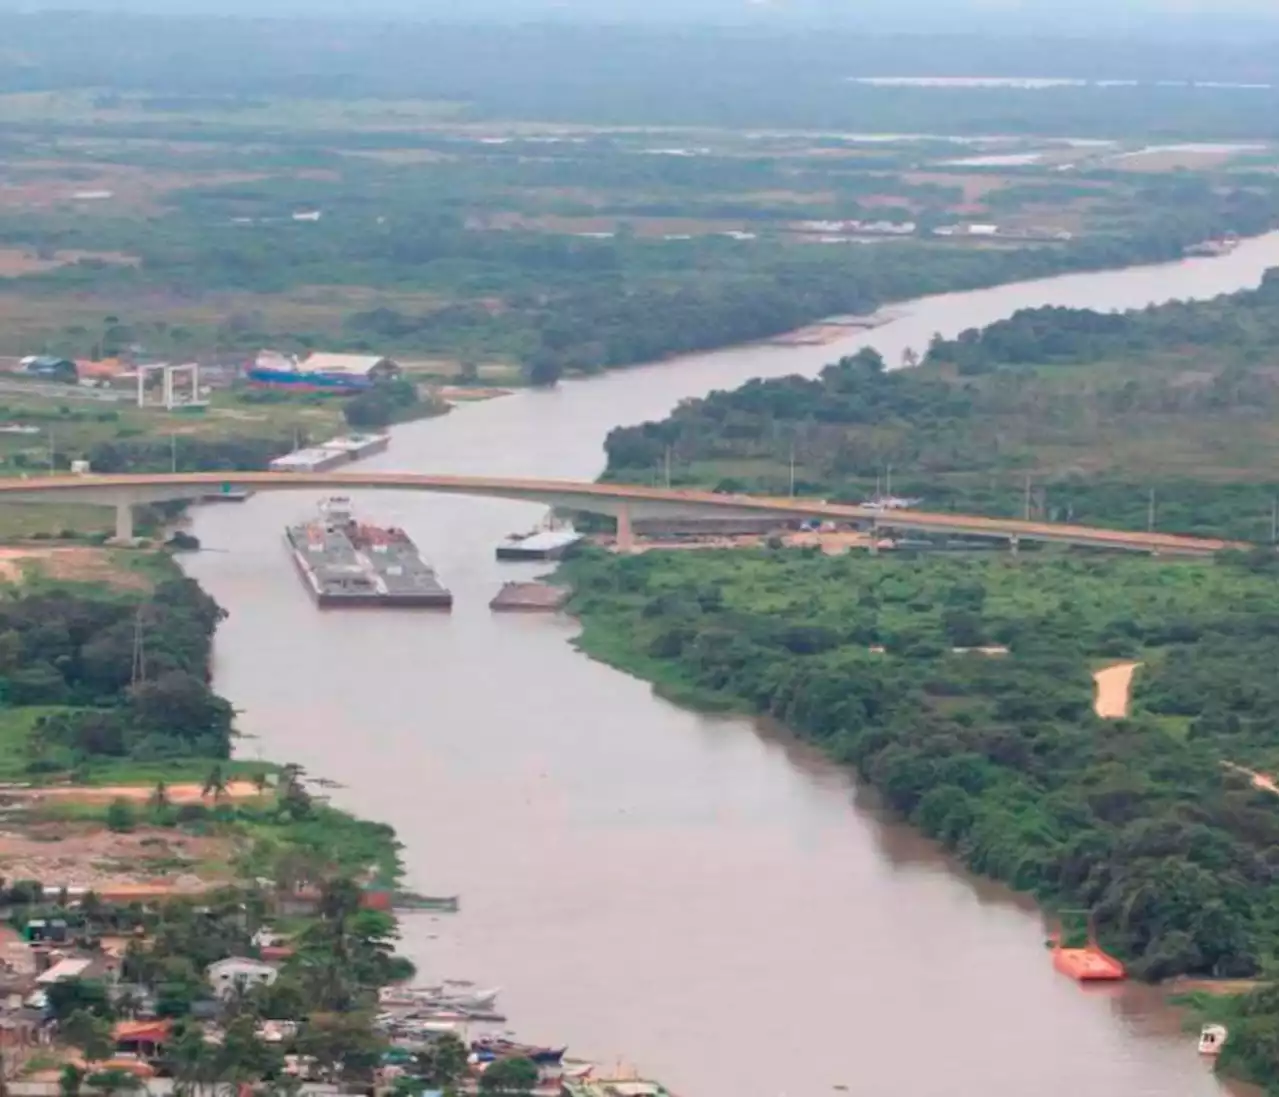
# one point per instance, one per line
(74, 967)
(50, 367)
(369, 367)
(239, 973)
(145, 1039)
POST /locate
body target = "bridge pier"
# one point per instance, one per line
(624, 540)
(124, 523)
(1013, 544)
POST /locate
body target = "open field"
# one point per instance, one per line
(81, 854)
(440, 237)
(114, 568)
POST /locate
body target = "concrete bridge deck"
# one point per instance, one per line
(624, 502)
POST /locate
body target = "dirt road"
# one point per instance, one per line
(177, 794)
(1111, 690)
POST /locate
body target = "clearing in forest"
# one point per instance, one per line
(1111, 690)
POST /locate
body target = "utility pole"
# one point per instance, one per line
(791, 472)
(173, 452)
(888, 481)
(52, 464)
(139, 672)
(1151, 511)
(666, 467)
(1026, 498)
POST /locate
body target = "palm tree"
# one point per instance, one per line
(215, 784)
(160, 796)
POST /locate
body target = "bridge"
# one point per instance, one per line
(624, 502)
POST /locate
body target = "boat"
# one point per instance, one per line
(490, 1048)
(1212, 1037)
(407, 900)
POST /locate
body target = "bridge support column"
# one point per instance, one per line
(624, 540)
(1013, 544)
(873, 546)
(124, 523)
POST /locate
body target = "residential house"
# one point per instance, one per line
(239, 973)
(144, 1039)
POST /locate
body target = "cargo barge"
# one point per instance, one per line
(534, 597)
(548, 544)
(346, 563)
(331, 454)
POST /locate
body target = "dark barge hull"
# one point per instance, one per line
(441, 599)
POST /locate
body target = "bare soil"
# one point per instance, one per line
(72, 563)
(85, 855)
(177, 794)
(1111, 690)
(15, 262)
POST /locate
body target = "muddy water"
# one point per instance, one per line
(686, 893)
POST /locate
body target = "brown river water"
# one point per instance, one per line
(693, 895)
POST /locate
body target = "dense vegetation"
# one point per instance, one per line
(117, 677)
(1000, 757)
(1069, 414)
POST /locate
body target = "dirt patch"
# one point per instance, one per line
(177, 794)
(1111, 690)
(15, 262)
(85, 855)
(71, 564)
(1258, 780)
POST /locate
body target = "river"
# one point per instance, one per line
(686, 893)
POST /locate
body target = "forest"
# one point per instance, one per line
(114, 677)
(998, 754)
(1164, 415)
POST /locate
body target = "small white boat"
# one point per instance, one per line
(1212, 1037)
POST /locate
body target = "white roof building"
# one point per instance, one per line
(350, 365)
(71, 968)
(239, 972)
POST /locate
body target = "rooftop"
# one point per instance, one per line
(351, 364)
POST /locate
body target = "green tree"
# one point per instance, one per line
(121, 816)
(69, 1080)
(509, 1078)
(444, 1063)
(68, 996)
(90, 1033)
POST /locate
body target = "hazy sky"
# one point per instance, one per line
(901, 14)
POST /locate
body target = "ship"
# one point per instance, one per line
(348, 563)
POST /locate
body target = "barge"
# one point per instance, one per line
(549, 544)
(535, 597)
(347, 563)
(328, 455)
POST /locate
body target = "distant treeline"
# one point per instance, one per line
(1058, 335)
(767, 75)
